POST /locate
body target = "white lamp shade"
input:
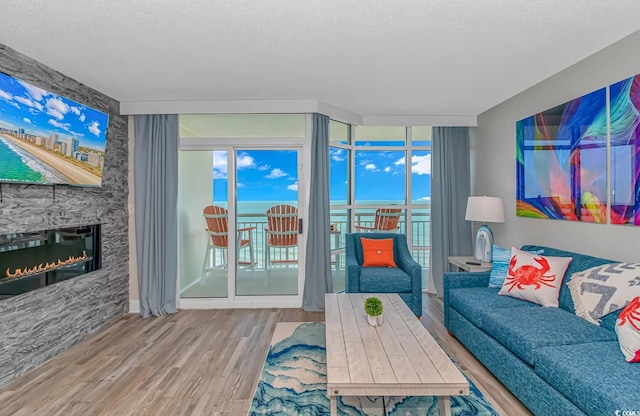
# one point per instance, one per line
(485, 209)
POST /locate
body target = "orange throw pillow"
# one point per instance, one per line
(377, 252)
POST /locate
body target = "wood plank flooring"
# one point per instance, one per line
(189, 363)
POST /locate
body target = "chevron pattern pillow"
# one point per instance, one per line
(600, 290)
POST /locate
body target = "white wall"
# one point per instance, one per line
(195, 191)
(494, 167)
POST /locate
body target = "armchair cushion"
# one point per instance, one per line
(384, 280)
(377, 252)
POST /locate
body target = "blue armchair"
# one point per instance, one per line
(405, 280)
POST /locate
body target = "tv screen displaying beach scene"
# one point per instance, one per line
(49, 139)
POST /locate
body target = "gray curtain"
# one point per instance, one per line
(450, 188)
(318, 279)
(156, 196)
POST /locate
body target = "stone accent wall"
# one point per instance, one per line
(36, 326)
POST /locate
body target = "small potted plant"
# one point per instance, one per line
(373, 308)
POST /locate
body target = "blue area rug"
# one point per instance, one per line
(293, 382)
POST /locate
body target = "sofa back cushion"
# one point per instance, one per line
(580, 262)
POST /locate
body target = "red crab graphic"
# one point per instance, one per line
(630, 314)
(528, 275)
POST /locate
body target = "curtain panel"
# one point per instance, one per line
(318, 279)
(156, 196)
(450, 188)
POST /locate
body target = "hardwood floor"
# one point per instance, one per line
(190, 363)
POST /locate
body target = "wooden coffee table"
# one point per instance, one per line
(398, 358)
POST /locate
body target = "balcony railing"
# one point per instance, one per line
(281, 257)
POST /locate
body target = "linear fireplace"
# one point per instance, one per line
(32, 260)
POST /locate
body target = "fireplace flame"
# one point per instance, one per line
(46, 267)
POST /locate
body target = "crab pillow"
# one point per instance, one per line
(534, 277)
(628, 330)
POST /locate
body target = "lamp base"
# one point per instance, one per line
(484, 244)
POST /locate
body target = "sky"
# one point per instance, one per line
(42, 113)
(271, 175)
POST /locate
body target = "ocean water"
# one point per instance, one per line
(16, 165)
(255, 212)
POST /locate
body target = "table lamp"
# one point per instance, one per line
(484, 209)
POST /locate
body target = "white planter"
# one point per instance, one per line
(374, 320)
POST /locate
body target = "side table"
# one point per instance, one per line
(462, 263)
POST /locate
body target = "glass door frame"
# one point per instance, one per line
(231, 145)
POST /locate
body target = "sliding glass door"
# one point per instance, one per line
(239, 225)
(267, 222)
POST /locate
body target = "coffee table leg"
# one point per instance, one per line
(444, 406)
(334, 406)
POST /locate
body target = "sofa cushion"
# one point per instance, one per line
(580, 262)
(475, 302)
(522, 330)
(384, 280)
(594, 376)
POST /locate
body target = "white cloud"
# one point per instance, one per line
(94, 128)
(425, 198)
(387, 169)
(219, 174)
(371, 166)
(35, 92)
(64, 126)
(239, 185)
(420, 165)
(293, 186)
(78, 112)
(26, 120)
(28, 102)
(244, 161)
(14, 104)
(264, 167)
(276, 173)
(57, 108)
(7, 125)
(337, 154)
(219, 165)
(5, 95)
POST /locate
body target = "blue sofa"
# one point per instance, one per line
(405, 280)
(553, 361)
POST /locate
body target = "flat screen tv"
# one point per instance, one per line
(49, 139)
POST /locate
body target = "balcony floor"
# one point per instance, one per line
(276, 282)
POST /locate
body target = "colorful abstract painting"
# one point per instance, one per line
(625, 156)
(562, 161)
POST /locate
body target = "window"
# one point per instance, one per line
(380, 168)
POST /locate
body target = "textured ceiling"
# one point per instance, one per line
(372, 57)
